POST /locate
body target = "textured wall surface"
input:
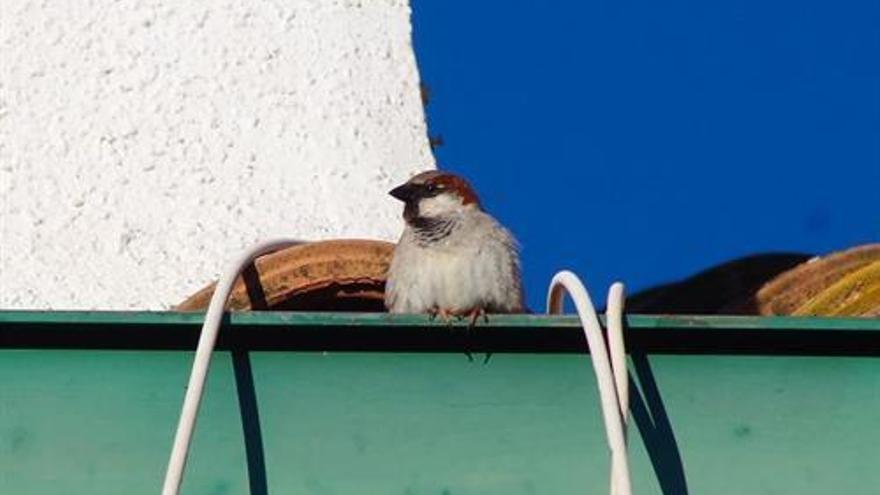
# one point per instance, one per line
(144, 143)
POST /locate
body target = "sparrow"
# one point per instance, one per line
(453, 258)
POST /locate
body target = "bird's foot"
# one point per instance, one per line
(475, 315)
(445, 315)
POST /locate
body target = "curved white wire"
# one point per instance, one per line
(617, 348)
(207, 339)
(607, 380)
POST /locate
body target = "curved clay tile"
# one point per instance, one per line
(845, 283)
(856, 294)
(792, 291)
(728, 288)
(337, 275)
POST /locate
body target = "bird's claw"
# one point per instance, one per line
(444, 314)
(475, 315)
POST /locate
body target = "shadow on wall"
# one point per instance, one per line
(649, 414)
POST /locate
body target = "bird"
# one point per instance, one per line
(453, 259)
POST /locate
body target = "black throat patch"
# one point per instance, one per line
(432, 230)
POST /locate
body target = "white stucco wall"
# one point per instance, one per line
(144, 143)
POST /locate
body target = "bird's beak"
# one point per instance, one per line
(403, 193)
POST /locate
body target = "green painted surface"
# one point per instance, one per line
(101, 421)
(83, 422)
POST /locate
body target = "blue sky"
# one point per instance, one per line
(645, 141)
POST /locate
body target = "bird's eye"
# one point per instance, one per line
(431, 188)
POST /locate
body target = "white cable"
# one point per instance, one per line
(566, 281)
(207, 339)
(616, 347)
(617, 352)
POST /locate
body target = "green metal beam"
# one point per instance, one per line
(319, 319)
(304, 331)
(374, 420)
